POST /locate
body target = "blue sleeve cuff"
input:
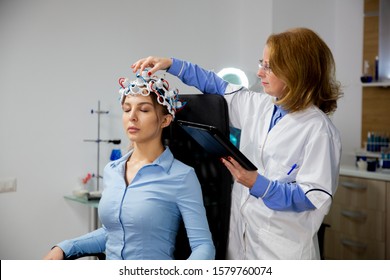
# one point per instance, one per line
(260, 187)
(176, 67)
(92, 242)
(66, 246)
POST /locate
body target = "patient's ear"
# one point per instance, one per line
(167, 119)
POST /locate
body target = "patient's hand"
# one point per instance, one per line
(55, 254)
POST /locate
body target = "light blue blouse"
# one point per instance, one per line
(140, 221)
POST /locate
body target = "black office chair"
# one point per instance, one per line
(216, 181)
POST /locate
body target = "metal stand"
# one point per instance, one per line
(98, 140)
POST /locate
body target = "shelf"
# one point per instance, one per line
(377, 84)
(83, 200)
(364, 153)
(352, 170)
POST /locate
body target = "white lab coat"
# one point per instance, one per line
(308, 139)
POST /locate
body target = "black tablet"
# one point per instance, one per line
(215, 143)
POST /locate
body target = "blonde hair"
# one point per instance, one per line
(301, 59)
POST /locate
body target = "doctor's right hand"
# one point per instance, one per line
(153, 62)
(55, 254)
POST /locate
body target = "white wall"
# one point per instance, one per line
(58, 58)
(348, 50)
(340, 24)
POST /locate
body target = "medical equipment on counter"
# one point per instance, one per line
(385, 158)
(367, 76)
(377, 141)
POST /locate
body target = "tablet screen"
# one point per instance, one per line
(215, 143)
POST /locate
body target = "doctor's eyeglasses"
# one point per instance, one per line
(264, 66)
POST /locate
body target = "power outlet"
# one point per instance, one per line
(8, 185)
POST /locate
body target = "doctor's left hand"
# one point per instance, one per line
(240, 174)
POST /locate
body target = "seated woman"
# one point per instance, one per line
(147, 192)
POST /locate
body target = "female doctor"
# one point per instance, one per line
(286, 132)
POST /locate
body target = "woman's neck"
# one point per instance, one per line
(146, 153)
